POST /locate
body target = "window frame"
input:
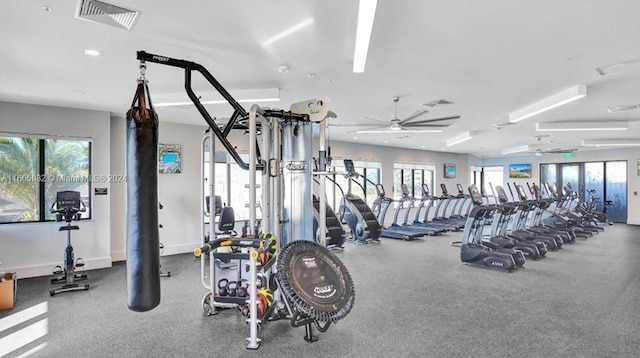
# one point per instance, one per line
(41, 177)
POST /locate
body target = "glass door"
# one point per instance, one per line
(615, 183)
(606, 181)
(571, 176)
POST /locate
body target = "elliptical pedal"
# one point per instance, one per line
(57, 270)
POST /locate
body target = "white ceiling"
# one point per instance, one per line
(489, 57)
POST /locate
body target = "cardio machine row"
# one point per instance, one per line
(521, 229)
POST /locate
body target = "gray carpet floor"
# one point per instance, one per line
(413, 299)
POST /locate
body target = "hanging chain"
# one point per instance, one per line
(143, 68)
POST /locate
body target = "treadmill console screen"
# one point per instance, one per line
(475, 194)
(502, 195)
(521, 193)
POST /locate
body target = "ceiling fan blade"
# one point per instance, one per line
(420, 129)
(427, 125)
(350, 125)
(374, 130)
(434, 120)
(414, 115)
(432, 104)
(374, 119)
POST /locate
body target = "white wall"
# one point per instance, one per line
(631, 155)
(118, 190)
(390, 155)
(33, 249)
(178, 193)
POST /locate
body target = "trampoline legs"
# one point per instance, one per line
(308, 333)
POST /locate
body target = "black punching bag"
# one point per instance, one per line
(143, 242)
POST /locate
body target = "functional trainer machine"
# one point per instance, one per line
(68, 207)
(283, 273)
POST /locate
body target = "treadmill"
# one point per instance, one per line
(393, 232)
(427, 202)
(410, 203)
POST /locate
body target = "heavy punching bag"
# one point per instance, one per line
(143, 243)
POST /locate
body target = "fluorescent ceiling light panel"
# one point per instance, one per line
(387, 130)
(366, 14)
(212, 97)
(556, 100)
(582, 126)
(628, 107)
(518, 149)
(619, 67)
(288, 32)
(462, 137)
(611, 142)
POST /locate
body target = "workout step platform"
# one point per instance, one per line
(221, 264)
(225, 257)
(231, 299)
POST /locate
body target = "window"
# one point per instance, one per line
(493, 176)
(232, 185)
(368, 170)
(414, 175)
(33, 170)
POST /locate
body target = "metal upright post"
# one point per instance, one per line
(323, 184)
(252, 167)
(266, 178)
(277, 182)
(254, 341)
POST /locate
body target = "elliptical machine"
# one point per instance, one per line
(68, 207)
(474, 251)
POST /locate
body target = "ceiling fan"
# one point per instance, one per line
(408, 125)
(539, 151)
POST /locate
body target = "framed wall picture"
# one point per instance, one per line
(517, 171)
(449, 171)
(169, 158)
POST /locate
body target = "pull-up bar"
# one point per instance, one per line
(238, 113)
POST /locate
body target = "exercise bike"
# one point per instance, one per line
(68, 207)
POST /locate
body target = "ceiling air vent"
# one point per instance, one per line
(629, 107)
(98, 11)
